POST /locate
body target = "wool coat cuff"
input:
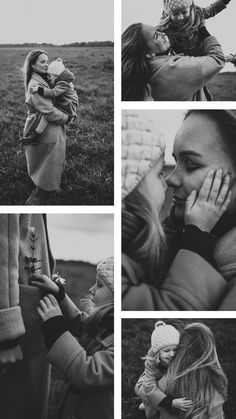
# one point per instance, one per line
(53, 329)
(166, 402)
(11, 324)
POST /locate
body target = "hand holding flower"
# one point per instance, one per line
(45, 283)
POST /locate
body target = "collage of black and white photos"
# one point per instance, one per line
(118, 209)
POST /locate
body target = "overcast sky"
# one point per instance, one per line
(149, 12)
(86, 237)
(167, 122)
(56, 21)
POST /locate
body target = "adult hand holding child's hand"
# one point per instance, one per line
(206, 208)
(48, 308)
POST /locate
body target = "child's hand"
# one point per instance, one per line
(205, 209)
(34, 88)
(48, 308)
(182, 404)
(44, 282)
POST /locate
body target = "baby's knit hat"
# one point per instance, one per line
(105, 271)
(172, 5)
(142, 146)
(164, 335)
(56, 67)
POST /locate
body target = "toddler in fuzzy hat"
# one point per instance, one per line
(164, 343)
(183, 22)
(62, 92)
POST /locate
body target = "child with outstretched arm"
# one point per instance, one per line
(181, 21)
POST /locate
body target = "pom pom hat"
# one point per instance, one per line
(172, 5)
(56, 67)
(142, 146)
(163, 335)
(105, 271)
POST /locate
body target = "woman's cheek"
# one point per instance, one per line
(195, 180)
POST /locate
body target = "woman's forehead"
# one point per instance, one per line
(199, 133)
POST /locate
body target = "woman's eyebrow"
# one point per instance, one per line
(190, 153)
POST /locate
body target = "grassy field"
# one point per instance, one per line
(223, 87)
(88, 175)
(80, 277)
(136, 334)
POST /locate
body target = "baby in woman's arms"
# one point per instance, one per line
(63, 94)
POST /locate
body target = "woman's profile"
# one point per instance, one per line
(152, 71)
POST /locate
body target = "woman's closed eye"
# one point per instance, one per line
(190, 165)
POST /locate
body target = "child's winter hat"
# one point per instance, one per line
(172, 5)
(164, 335)
(105, 271)
(142, 146)
(56, 67)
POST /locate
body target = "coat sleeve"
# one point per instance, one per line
(190, 284)
(79, 368)
(45, 106)
(216, 408)
(212, 10)
(11, 322)
(147, 388)
(60, 88)
(181, 77)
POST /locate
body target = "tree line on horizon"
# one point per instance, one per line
(73, 44)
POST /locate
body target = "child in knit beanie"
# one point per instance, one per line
(183, 22)
(62, 93)
(80, 345)
(164, 343)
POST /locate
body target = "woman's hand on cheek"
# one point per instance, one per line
(205, 209)
(48, 308)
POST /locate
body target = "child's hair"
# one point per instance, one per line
(148, 246)
(27, 66)
(195, 372)
(135, 72)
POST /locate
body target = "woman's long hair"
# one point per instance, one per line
(195, 372)
(135, 73)
(146, 245)
(27, 66)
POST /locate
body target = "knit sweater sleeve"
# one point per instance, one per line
(11, 322)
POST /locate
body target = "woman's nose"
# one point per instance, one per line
(173, 180)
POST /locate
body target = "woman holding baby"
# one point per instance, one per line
(45, 155)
